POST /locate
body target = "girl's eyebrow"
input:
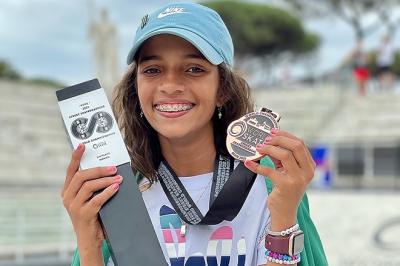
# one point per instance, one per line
(148, 58)
(156, 57)
(196, 56)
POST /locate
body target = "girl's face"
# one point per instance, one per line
(177, 88)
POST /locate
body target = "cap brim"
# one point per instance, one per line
(202, 45)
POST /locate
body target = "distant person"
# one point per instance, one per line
(384, 61)
(360, 69)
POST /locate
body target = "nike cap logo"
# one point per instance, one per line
(171, 11)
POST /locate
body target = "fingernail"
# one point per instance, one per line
(259, 147)
(117, 178)
(115, 186)
(80, 147)
(248, 163)
(274, 130)
(267, 139)
(111, 169)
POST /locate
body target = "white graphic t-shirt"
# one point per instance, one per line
(239, 242)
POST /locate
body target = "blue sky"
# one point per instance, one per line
(48, 38)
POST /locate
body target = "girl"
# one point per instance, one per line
(174, 105)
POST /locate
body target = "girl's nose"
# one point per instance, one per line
(172, 84)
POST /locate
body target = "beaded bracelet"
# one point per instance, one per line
(286, 232)
(281, 258)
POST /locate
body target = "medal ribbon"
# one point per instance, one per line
(229, 191)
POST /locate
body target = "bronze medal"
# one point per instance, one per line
(245, 133)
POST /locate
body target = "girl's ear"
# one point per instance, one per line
(223, 94)
(221, 97)
(220, 102)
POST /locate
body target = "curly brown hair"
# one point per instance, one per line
(142, 140)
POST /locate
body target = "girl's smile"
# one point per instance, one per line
(173, 109)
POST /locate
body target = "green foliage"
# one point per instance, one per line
(6, 71)
(310, 42)
(396, 66)
(371, 62)
(46, 82)
(259, 30)
(365, 17)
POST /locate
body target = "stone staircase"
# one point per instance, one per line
(34, 150)
(34, 224)
(304, 111)
(371, 119)
(33, 146)
(333, 116)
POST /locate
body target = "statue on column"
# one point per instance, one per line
(104, 40)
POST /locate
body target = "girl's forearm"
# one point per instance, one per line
(90, 256)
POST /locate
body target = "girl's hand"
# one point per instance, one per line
(294, 170)
(81, 202)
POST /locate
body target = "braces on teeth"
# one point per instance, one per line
(173, 108)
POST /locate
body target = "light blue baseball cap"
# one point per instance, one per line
(199, 25)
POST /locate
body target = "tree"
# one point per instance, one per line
(260, 30)
(7, 71)
(386, 13)
(356, 13)
(263, 35)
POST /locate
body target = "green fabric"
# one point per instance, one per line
(313, 253)
(104, 248)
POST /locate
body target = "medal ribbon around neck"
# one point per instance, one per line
(229, 191)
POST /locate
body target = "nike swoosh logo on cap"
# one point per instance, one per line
(171, 11)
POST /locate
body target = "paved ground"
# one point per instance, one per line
(358, 228)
